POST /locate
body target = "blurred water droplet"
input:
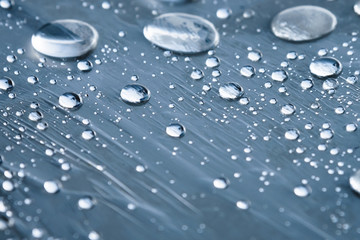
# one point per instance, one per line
(84, 65)
(325, 67)
(8, 186)
(243, 204)
(223, 13)
(354, 181)
(231, 91)
(51, 187)
(221, 183)
(279, 75)
(65, 38)
(70, 101)
(85, 203)
(302, 191)
(183, 33)
(175, 130)
(357, 7)
(303, 23)
(6, 4)
(6, 84)
(135, 94)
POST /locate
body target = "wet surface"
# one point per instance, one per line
(275, 161)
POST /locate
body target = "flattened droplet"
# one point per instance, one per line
(175, 130)
(182, 33)
(325, 67)
(354, 181)
(303, 23)
(231, 91)
(135, 94)
(6, 84)
(70, 101)
(65, 38)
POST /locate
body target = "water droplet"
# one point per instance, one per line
(351, 127)
(175, 130)
(302, 191)
(326, 134)
(35, 116)
(357, 7)
(288, 109)
(11, 58)
(93, 236)
(32, 80)
(330, 84)
(221, 183)
(223, 13)
(6, 84)
(243, 204)
(212, 62)
(292, 134)
(84, 65)
(292, 55)
(325, 67)
(183, 33)
(279, 75)
(306, 84)
(231, 91)
(354, 181)
(351, 79)
(6, 4)
(65, 38)
(88, 134)
(51, 187)
(254, 56)
(247, 71)
(85, 203)
(303, 23)
(8, 186)
(197, 74)
(70, 101)
(135, 94)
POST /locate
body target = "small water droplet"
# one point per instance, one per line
(212, 62)
(65, 38)
(6, 84)
(325, 67)
(243, 204)
(85, 203)
(303, 23)
(175, 130)
(35, 116)
(51, 187)
(84, 65)
(231, 91)
(330, 84)
(326, 134)
(183, 33)
(221, 183)
(254, 56)
(223, 13)
(70, 101)
(306, 84)
(288, 109)
(88, 134)
(279, 75)
(32, 80)
(135, 94)
(247, 71)
(292, 134)
(197, 74)
(302, 191)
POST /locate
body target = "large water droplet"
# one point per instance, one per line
(65, 38)
(357, 7)
(221, 183)
(325, 67)
(135, 94)
(231, 91)
(175, 130)
(354, 181)
(70, 100)
(6, 84)
(303, 23)
(183, 33)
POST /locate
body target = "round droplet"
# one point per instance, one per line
(221, 183)
(6, 4)
(197, 74)
(247, 71)
(279, 75)
(223, 13)
(243, 204)
(231, 91)
(35, 116)
(84, 65)
(135, 94)
(70, 101)
(85, 203)
(212, 62)
(306, 84)
(303, 23)
(288, 109)
(302, 191)
(88, 134)
(6, 84)
(32, 80)
(51, 187)
(8, 186)
(292, 134)
(254, 56)
(65, 38)
(354, 181)
(183, 33)
(325, 67)
(351, 127)
(175, 130)
(357, 7)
